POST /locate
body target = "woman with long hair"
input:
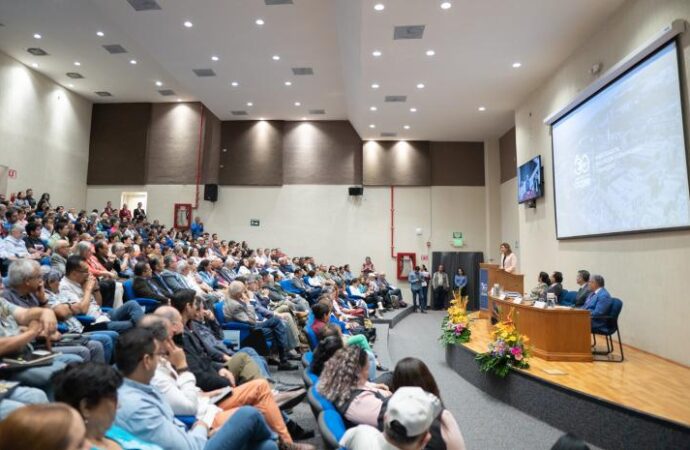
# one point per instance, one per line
(344, 383)
(445, 433)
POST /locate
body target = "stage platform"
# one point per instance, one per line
(391, 318)
(643, 402)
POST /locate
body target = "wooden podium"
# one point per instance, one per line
(490, 274)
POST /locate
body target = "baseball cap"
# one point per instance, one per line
(414, 409)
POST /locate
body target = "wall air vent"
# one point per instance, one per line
(114, 49)
(408, 32)
(144, 5)
(302, 71)
(396, 98)
(74, 75)
(277, 2)
(238, 113)
(103, 94)
(317, 111)
(204, 72)
(388, 134)
(37, 51)
(166, 92)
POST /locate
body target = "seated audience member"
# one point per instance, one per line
(106, 277)
(74, 287)
(582, 293)
(388, 289)
(53, 426)
(321, 313)
(407, 424)
(543, 282)
(599, 302)
(186, 270)
(309, 292)
(445, 432)
(143, 412)
(570, 442)
(143, 285)
(237, 308)
(91, 389)
(20, 397)
(60, 232)
(326, 348)
(38, 249)
(171, 278)
(13, 246)
(556, 286)
(27, 290)
(368, 266)
(344, 383)
(178, 385)
(277, 294)
(157, 268)
(263, 310)
(358, 340)
(58, 258)
(210, 375)
(64, 311)
(206, 272)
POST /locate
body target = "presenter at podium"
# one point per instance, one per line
(508, 258)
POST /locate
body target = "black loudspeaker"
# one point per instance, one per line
(211, 192)
(354, 190)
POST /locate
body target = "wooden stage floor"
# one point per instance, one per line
(643, 382)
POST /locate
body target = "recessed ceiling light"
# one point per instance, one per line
(379, 7)
(420, 86)
(413, 109)
(288, 83)
(373, 108)
(34, 65)
(376, 53)
(77, 63)
(430, 53)
(372, 126)
(250, 104)
(234, 84)
(100, 33)
(446, 5)
(276, 58)
(132, 61)
(298, 104)
(159, 83)
(517, 65)
(179, 99)
(37, 36)
(407, 127)
(214, 58)
(70, 85)
(482, 108)
(261, 119)
(375, 86)
(260, 21)
(304, 118)
(188, 24)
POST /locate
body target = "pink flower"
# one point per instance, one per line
(517, 353)
(458, 328)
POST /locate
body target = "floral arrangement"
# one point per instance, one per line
(455, 327)
(508, 349)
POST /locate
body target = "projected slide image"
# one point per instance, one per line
(619, 159)
(529, 177)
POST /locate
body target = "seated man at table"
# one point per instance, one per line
(582, 280)
(599, 302)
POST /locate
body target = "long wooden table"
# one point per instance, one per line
(556, 334)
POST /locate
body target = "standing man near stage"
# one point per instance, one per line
(440, 287)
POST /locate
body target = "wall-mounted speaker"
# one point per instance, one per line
(211, 192)
(356, 190)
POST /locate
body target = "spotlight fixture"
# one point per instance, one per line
(420, 86)
(372, 126)
(100, 33)
(276, 58)
(77, 63)
(376, 53)
(250, 104)
(373, 108)
(482, 108)
(37, 36)
(517, 65)
(288, 83)
(214, 58)
(70, 85)
(188, 24)
(430, 53)
(413, 110)
(179, 100)
(34, 65)
(379, 7)
(375, 86)
(298, 104)
(260, 22)
(407, 127)
(446, 5)
(133, 61)
(234, 84)
(159, 83)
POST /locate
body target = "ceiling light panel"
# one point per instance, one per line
(204, 72)
(74, 75)
(103, 94)
(166, 92)
(408, 32)
(395, 98)
(388, 134)
(37, 51)
(317, 111)
(239, 113)
(144, 5)
(302, 71)
(277, 2)
(114, 49)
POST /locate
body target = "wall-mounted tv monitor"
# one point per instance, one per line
(619, 157)
(530, 182)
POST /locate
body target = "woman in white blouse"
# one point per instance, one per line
(508, 258)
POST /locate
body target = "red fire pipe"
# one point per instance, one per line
(392, 221)
(198, 159)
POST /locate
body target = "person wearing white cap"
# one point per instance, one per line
(409, 414)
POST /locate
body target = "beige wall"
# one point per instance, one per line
(324, 221)
(44, 134)
(510, 226)
(647, 271)
(492, 198)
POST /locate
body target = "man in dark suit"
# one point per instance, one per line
(142, 284)
(599, 302)
(582, 293)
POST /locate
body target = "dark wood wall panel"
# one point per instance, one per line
(173, 143)
(117, 149)
(508, 150)
(457, 163)
(321, 152)
(251, 153)
(211, 163)
(396, 163)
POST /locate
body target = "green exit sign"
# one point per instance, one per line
(254, 222)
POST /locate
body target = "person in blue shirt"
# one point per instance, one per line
(460, 282)
(599, 301)
(418, 298)
(142, 411)
(197, 227)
